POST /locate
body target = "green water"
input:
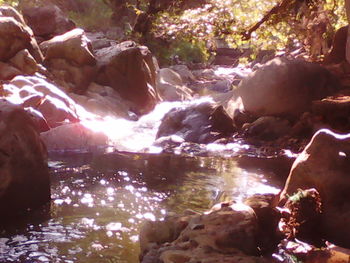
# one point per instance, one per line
(100, 201)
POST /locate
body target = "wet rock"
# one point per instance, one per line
(225, 234)
(198, 123)
(16, 35)
(131, 71)
(69, 58)
(170, 86)
(267, 128)
(285, 87)
(324, 165)
(80, 138)
(34, 92)
(47, 21)
(24, 175)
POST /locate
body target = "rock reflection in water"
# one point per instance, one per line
(99, 202)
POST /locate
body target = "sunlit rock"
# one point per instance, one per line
(37, 93)
(47, 21)
(170, 86)
(24, 175)
(227, 233)
(16, 35)
(69, 58)
(184, 72)
(324, 165)
(73, 137)
(24, 61)
(131, 71)
(200, 123)
(285, 87)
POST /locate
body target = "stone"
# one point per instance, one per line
(47, 21)
(8, 72)
(16, 35)
(37, 93)
(80, 138)
(324, 165)
(199, 123)
(170, 86)
(284, 87)
(184, 72)
(69, 58)
(24, 61)
(226, 234)
(131, 71)
(24, 174)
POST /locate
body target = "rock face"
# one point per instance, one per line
(47, 21)
(225, 234)
(69, 58)
(130, 70)
(170, 86)
(324, 165)
(24, 175)
(285, 87)
(198, 123)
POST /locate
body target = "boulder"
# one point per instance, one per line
(47, 21)
(24, 61)
(80, 138)
(69, 58)
(8, 72)
(227, 233)
(324, 165)
(199, 123)
(284, 87)
(131, 71)
(16, 35)
(184, 72)
(34, 92)
(170, 86)
(24, 174)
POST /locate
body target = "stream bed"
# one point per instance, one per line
(99, 201)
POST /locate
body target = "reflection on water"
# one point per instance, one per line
(99, 202)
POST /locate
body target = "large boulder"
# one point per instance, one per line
(284, 87)
(37, 93)
(15, 35)
(198, 123)
(47, 21)
(170, 86)
(324, 165)
(227, 233)
(69, 58)
(24, 174)
(131, 71)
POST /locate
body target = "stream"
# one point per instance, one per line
(101, 199)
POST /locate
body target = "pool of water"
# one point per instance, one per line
(99, 201)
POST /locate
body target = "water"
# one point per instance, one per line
(100, 201)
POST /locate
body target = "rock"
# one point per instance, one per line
(227, 233)
(24, 174)
(130, 70)
(285, 87)
(198, 123)
(69, 58)
(184, 72)
(170, 87)
(47, 21)
(103, 101)
(16, 35)
(24, 61)
(337, 54)
(324, 165)
(98, 40)
(8, 72)
(34, 92)
(80, 138)
(267, 128)
(335, 111)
